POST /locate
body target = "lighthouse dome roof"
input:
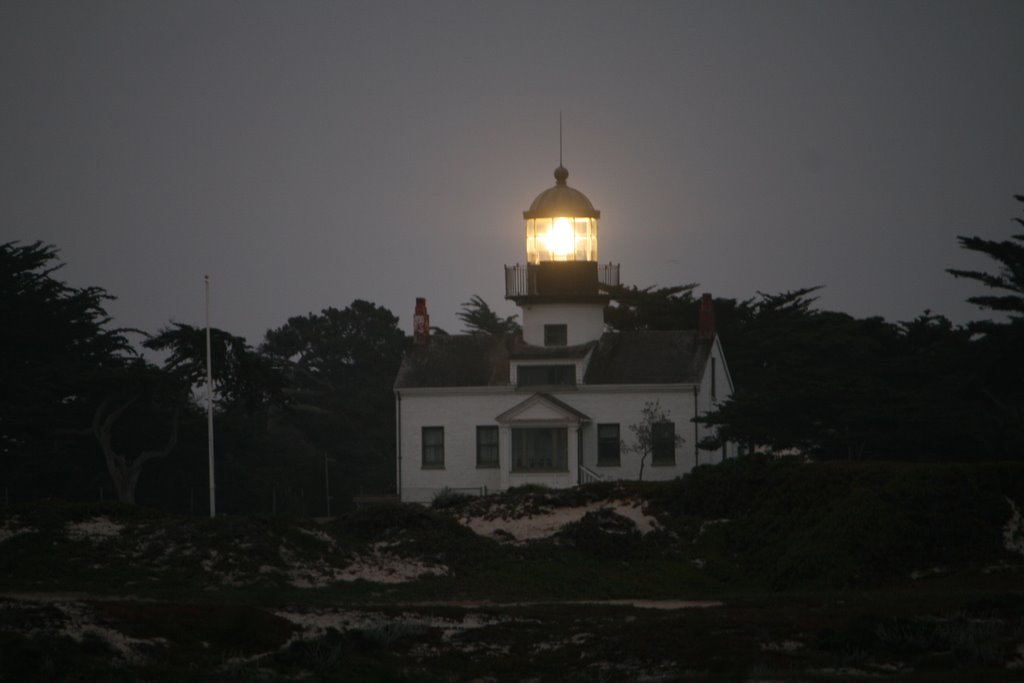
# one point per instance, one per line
(561, 200)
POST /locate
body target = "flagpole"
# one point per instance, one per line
(209, 400)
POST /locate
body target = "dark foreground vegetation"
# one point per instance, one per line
(829, 571)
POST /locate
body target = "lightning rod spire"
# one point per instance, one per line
(559, 137)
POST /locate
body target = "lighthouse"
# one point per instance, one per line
(479, 413)
(561, 289)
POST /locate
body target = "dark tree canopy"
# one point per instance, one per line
(340, 366)
(833, 386)
(997, 361)
(829, 385)
(67, 377)
(242, 378)
(650, 308)
(339, 345)
(317, 392)
(479, 318)
(1009, 278)
(805, 378)
(54, 340)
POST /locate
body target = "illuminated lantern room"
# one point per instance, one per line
(561, 286)
(561, 224)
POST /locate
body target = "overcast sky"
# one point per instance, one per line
(308, 154)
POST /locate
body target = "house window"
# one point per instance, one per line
(608, 444)
(433, 447)
(556, 335)
(663, 446)
(541, 449)
(540, 375)
(487, 446)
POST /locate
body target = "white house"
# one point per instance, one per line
(480, 413)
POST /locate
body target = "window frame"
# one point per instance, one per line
(481, 446)
(429, 450)
(605, 444)
(663, 446)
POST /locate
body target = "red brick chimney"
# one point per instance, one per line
(706, 321)
(420, 323)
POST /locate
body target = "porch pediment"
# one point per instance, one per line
(542, 408)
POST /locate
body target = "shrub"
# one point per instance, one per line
(728, 489)
(603, 533)
(853, 524)
(446, 498)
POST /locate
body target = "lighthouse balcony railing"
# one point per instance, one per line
(526, 280)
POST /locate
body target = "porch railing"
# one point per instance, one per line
(524, 280)
(589, 476)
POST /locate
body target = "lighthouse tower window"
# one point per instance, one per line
(556, 335)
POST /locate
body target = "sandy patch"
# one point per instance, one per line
(709, 522)
(95, 529)
(377, 565)
(1013, 530)
(305, 574)
(658, 604)
(502, 524)
(1018, 661)
(382, 566)
(919, 574)
(321, 536)
(12, 527)
(316, 624)
(637, 603)
(208, 563)
(79, 623)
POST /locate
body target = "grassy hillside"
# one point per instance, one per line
(743, 525)
(833, 571)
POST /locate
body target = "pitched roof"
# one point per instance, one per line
(476, 360)
(462, 360)
(547, 400)
(520, 350)
(648, 357)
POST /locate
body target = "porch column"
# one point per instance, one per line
(504, 455)
(574, 453)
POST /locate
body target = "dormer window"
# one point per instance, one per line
(556, 335)
(544, 375)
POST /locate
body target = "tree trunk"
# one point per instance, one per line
(129, 485)
(125, 488)
(123, 473)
